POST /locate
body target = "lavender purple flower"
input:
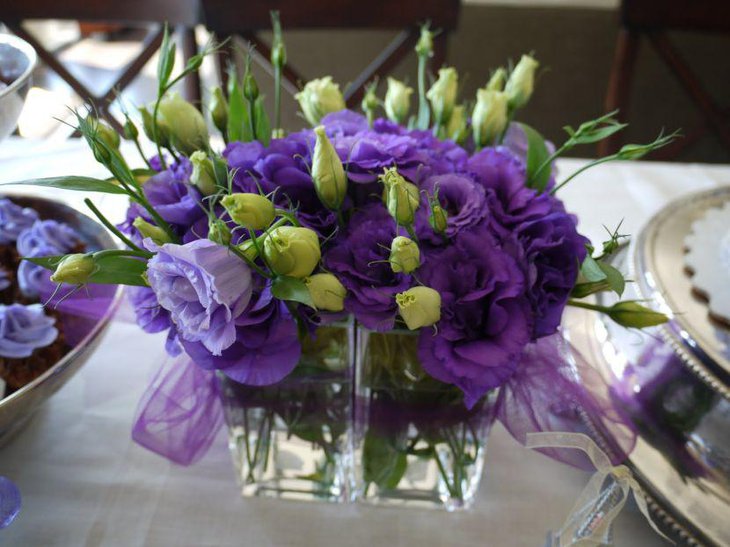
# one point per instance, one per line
(14, 219)
(204, 287)
(23, 329)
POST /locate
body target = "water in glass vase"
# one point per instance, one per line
(293, 439)
(416, 444)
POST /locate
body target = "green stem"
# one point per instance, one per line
(236, 251)
(423, 111)
(155, 113)
(442, 472)
(579, 171)
(109, 226)
(552, 157)
(586, 305)
(141, 153)
(122, 252)
(159, 221)
(277, 97)
(288, 216)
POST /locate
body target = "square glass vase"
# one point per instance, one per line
(293, 439)
(416, 443)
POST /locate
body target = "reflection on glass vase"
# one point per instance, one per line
(416, 444)
(294, 439)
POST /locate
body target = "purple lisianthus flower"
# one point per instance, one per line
(266, 346)
(4, 279)
(359, 259)
(204, 287)
(553, 252)
(546, 240)
(344, 123)
(463, 200)
(485, 316)
(151, 317)
(242, 156)
(47, 237)
(43, 238)
(176, 201)
(14, 220)
(23, 329)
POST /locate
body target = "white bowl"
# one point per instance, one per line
(17, 61)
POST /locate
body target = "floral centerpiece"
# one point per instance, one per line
(424, 258)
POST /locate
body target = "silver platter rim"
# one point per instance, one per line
(678, 333)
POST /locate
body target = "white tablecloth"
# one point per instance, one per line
(85, 483)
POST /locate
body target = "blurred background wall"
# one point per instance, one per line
(573, 39)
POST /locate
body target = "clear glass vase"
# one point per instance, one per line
(293, 440)
(416, 444)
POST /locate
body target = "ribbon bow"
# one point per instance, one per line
(589, 521)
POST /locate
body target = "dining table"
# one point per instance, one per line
(84, 482)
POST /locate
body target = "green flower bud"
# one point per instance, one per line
(320, 97)
(521, 82)
(419, 307)
(218, 232)
(497, 81)
(401, 197)
(203, 175)
(438, 218)
(163, 139)
(292, 251)
(456, 129)
(130, 130)
(327, 293)
(632, 314)
(490, 116)
(248, 248)
(442, 94)
(74, 269)
(328, 174)
(184, 124)
(155, 233)
(370, 103)
(424, 47)
(253, 211)
(103, 132)
(278, 54)
(219, 110)
(397, 101)
(405, 256)
(250, 87)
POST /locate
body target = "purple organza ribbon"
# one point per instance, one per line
(9, 502)
(179, 415)
(556, 390)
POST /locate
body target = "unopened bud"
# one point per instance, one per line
(203, 174)
(253, 211)
(74, 269)
(419, 307)
(405, 256)
(326, 291)
(328, 174)
(219, 110)
(521, 82)
(155, 233)
(292, 251)
(397, 101)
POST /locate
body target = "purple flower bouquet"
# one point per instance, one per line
(452, 257)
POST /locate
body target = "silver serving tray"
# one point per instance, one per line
(657, 265)
(684, 471)
(17, 408)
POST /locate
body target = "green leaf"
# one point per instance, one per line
(119, 270)
(591, 270)
(598, 134)
(291, 289)
(237, 110)
(166, 61)
(81, 184)
(383, 463)
(537, 155)
(614, 278)
(581, 290)
(263, 125)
